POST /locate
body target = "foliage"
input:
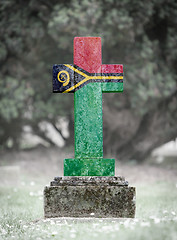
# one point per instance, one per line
(36, 34)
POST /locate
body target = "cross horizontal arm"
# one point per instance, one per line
(69, 78)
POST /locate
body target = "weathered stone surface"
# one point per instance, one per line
(89, 197)
(84, 181)
(86, 196)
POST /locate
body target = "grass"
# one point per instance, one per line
(21, 202)
(21, 216)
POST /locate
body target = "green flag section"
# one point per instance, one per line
(68, 78)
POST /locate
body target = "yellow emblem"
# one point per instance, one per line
(63, 77)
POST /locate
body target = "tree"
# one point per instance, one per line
(141, 35)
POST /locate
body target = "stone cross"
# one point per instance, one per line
(88, 78)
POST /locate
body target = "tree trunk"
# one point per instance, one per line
(156, 127)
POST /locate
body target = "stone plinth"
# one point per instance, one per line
(89, 197)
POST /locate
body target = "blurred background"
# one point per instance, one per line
(37, 126)
(141, 35)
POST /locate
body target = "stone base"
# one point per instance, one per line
(106, 197)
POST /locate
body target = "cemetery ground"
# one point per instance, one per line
(24, 174)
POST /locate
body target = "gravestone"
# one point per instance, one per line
(88, 187)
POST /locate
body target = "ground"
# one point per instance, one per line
(23, 176)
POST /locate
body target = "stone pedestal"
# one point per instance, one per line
(89, 197)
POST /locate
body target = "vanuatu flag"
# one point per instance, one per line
(68, 78)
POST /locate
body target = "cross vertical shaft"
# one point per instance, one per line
(88, 101)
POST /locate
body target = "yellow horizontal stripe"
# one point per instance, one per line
(106, 77)
(87, 77)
